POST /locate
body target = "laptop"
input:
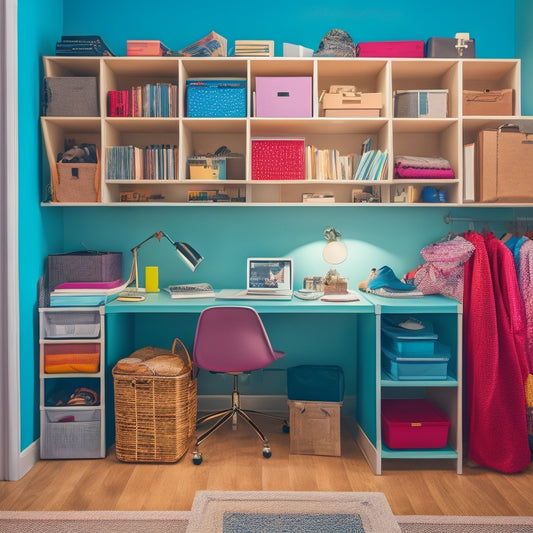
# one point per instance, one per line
(266, 279)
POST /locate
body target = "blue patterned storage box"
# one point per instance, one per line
(216, 98)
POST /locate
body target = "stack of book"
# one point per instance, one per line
(152, 100)
(82, 45)
(373, 166)
(329, 164)
(146, 48)
(156, 162)
(86, 294)
(254, 48)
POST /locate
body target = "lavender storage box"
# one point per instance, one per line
(282, 97)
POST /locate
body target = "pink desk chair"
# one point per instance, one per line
(232, 340)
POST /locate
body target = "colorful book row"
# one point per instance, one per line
(152, 100)
(158, 162)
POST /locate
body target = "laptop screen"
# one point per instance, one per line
(269, 275)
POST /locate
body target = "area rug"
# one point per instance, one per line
(94, 521)
(291, 512)
(178, 521)
(465, 524)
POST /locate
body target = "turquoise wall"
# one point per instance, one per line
(39, 232)
(524, 50)
(227, 235)
(178, 24)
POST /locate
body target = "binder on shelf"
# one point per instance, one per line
(469, 172)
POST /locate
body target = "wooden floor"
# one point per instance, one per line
(234, 461)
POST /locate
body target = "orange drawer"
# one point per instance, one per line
(66, 358)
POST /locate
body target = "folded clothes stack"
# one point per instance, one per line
(412, 167)
(384, 282)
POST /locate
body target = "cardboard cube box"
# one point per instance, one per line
(315, 427)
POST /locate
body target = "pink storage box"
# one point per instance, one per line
(413, 423)
(391, 49)
(278, 159)
(283, 97)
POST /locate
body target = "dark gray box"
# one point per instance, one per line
(447, 47)
(70, 97)
(84, 266)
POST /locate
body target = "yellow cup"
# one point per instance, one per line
(151, 279)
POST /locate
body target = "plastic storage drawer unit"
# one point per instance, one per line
(71, 357)
(70, 434)
(413, 423)
(74, 325)
(432, 367)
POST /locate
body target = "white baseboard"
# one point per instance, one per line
(28, 457)
(268, 403)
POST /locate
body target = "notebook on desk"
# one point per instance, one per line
(266, 279)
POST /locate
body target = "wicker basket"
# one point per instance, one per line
(155, 415)
(76, 182)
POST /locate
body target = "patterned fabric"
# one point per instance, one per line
(495, 410)
(525, 282)
(443, 273)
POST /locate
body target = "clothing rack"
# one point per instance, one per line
(449, 220)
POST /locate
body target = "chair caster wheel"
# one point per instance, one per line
(286, 428)
(267, 454)
(197, 458)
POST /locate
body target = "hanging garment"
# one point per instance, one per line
(525, 283)
(509, 303)
(443, 272)
(495, 398)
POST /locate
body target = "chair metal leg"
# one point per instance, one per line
(234, 414)
(213, 428)
(211, 416)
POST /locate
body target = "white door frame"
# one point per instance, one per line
(9, 279)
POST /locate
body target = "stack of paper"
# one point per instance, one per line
(254, 48)
(86, 294)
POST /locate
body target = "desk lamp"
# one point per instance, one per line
(189, 255)
(334, 253)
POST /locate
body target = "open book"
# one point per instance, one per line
(191, 290)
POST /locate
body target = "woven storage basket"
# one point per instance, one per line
(155, 415)
(76, 182)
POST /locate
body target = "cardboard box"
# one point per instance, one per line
(488, 102)
(282, 97)
(413, 423)
(421, 103)
(504, 159)
(74, 96)
(358, 105)
(315, 427)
